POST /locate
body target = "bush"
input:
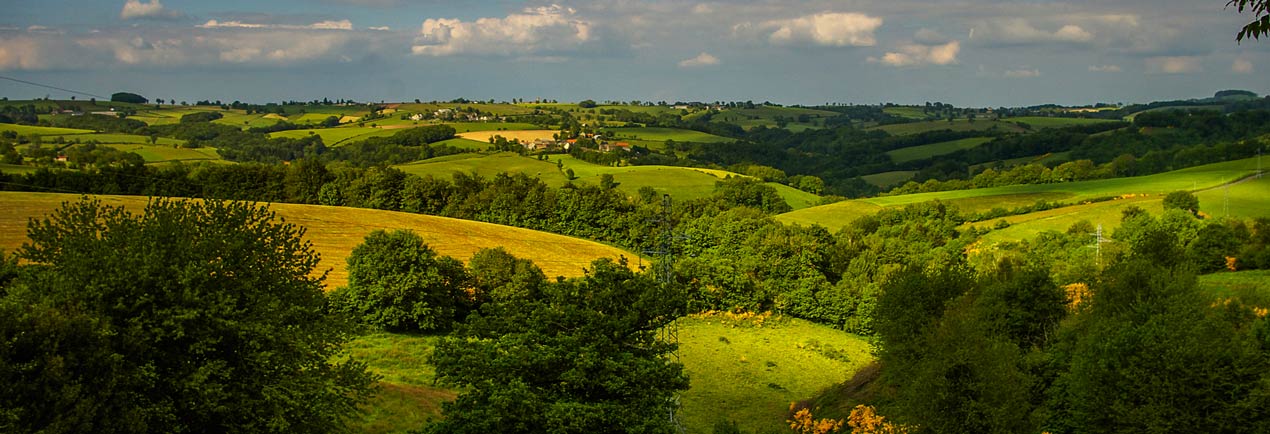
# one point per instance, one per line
(397, 283)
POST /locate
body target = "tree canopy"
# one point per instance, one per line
(187, 317)
(1260, 25)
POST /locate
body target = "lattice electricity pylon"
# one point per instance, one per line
(1098, 241)
(664, 267)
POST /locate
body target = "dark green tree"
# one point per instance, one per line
(188, 317)
(1260, 25)
(583, 357)
(128, 97)
(396, 282)
(499, 276)
(1182, 200)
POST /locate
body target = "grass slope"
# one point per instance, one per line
(1055, 122)
(904, 155)
(956, 125)
(1252, 194)
(334, 231)
(651, 134)
(487, 166)
(28, 130)
(738, 371)
(108, 138)
(1247, 199)
(168, 154)
(1225, 284)
(888, 179)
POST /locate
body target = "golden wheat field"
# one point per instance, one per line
(335, 231)
(525, 136)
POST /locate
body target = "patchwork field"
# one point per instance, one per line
(738, 371)
(1147, 191)
(912, 153)
(956, 125)
(168, 154)
(28, 130)
(663, 134)
(334, 231)
(525, 136)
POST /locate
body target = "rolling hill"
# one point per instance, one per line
(334, 231)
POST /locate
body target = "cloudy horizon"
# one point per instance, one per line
(982, 53)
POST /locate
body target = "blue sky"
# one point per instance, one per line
(966, 52)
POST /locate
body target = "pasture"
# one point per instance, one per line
(913, 153)
(910, 112)
(336, 136)
(832, 216)
(109, 138)
(28, 130)
(1056, 122)
(956, 125)
(1247, 199)
(661, 135)
(1244, 283)
(741, 368)
(169, 154)
(682, 183)
(525, 136)
(487, 166)
(889, 179)
(334, 231)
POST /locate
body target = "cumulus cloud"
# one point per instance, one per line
(321, 25)
(1023, 73)
(916, 54)
(1173, 65)
(703, 59)
(133, 9)
(1104, 68)
(1241, 66)
(201, 47)
(826, 29)
(1012, 31)
(549, 29)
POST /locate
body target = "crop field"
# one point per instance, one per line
(525, 136)
(904, 155)
(465, 144)
(28, 130)
(748, 371)
(108, 138)
(467, 127)
(1055, 122)
(334, 231)
(168, 154)
(955, 125)
(888, 179)
(1247, 199)
(664, 134)
(496, 109)
(682, 183)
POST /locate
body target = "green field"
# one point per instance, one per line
(487, 166)
(1056, 122)
(738, 371)
(911, 112)
(467, 127)
(664, 134)
(1031, 159)
(465, 144)
(888, 179)
(15, 168)
(168, 154)
(1225, 284)
(28, 130)
(240, 118)
(108, 138)
(1107, 214)
(1148, 191)
(904, 155)
(956, 125)
(1247, 199)
(496, 109)
(337, 136)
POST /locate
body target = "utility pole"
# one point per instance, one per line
(1098, 240)
(665, 269)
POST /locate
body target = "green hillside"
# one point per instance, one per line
(28, 130)
(912, 153)
(956, 125)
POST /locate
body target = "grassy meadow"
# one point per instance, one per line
(651, 134)
(168, 154)
(1056, 122)
(334, 231)
(109, 138)
(1247, 199)
(888, 179)
(28, 130)
(744, 369)
(956, 125)
(1225, 284)
(912, 153)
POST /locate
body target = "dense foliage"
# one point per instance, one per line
(397, 283)
(187, 317)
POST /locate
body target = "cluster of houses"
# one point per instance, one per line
(451, 115)
(601, 144)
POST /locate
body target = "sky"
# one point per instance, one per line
(971, 53)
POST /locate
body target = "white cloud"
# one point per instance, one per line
(380, 28)
(703, 59)
(1022, 31)
(136, 9)
(1104, 68)
(550, 29)
(321, 25)
(1023, 73)
(918, 54)
(1173, 65)
(828, 29)
(1241, 66)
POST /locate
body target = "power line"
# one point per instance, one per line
(52, 87)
